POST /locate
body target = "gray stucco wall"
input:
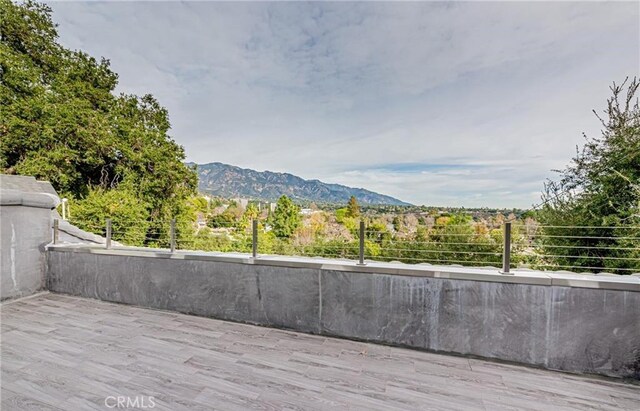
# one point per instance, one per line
(25, 229)
(586, 330)
(557, 327)
(24, 232)
(27, 211)
(259, 295)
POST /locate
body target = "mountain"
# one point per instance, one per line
(228, 181)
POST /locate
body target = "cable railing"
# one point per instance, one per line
(507, 246)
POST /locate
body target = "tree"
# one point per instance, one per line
(199, 203)
(341, 214)
(62, 122)
(598, 194)
(226, 219)
(353, 208)
(398, 223)
(286, 218)
(127, 213)
(250, 213)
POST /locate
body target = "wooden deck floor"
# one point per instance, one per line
(67, 353)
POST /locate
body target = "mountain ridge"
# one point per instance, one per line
(231, 181)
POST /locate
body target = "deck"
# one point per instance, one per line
(62, 353)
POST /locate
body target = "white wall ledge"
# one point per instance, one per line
(489, 274)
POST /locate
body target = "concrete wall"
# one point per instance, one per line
(27, 211)
(68, 233)
(25, 229)
(540, 319)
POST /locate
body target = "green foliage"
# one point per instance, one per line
(377, 231)
(398, 223)
(199, 204)
(372, 249)
(341, 214)
(206, 240)
(267, 241)
(334, 248)
(184, 213)
(599, 193)
(453, 240)
(225, 219)
(251, 212)
(286, 218)
(128, 215)
(351, 224)
(353, 208)
(61, 121)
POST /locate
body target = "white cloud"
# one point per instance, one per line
(334, 90)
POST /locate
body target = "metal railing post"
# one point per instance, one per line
(64, 208)
(108, 241)
(172, 240)
(506, 252)
(56, 231)
(254, 238)
(361, 250)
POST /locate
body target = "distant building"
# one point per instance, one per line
(309, 211)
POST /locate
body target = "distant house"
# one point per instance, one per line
(308, 211)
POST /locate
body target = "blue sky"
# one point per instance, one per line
(459, 104)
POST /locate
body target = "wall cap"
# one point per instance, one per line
(10, 197)
(490, 274)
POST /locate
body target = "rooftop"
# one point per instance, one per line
(62, 352)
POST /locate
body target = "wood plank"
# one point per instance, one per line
(63, 352)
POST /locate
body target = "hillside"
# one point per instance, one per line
(229, 181)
